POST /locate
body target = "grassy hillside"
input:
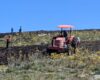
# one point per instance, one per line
(83, 65)
(29, 38)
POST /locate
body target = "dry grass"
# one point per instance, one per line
(32, 38)
(81, 66)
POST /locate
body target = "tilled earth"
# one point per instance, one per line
(26, 50)
(91, 45)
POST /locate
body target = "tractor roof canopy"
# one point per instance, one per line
(65, 26)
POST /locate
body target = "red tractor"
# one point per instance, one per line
(64, 42)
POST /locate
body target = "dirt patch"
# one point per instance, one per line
(26, 50)
(91, 45)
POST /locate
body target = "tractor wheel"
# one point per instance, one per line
(48, 52)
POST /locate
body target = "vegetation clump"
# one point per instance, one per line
(80, 66)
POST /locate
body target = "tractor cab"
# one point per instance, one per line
(65, 33)
(60, 42)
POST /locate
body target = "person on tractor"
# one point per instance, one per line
(65, 34)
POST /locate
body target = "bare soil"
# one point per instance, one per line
(26, 50)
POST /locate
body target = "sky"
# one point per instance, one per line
(34, 15)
